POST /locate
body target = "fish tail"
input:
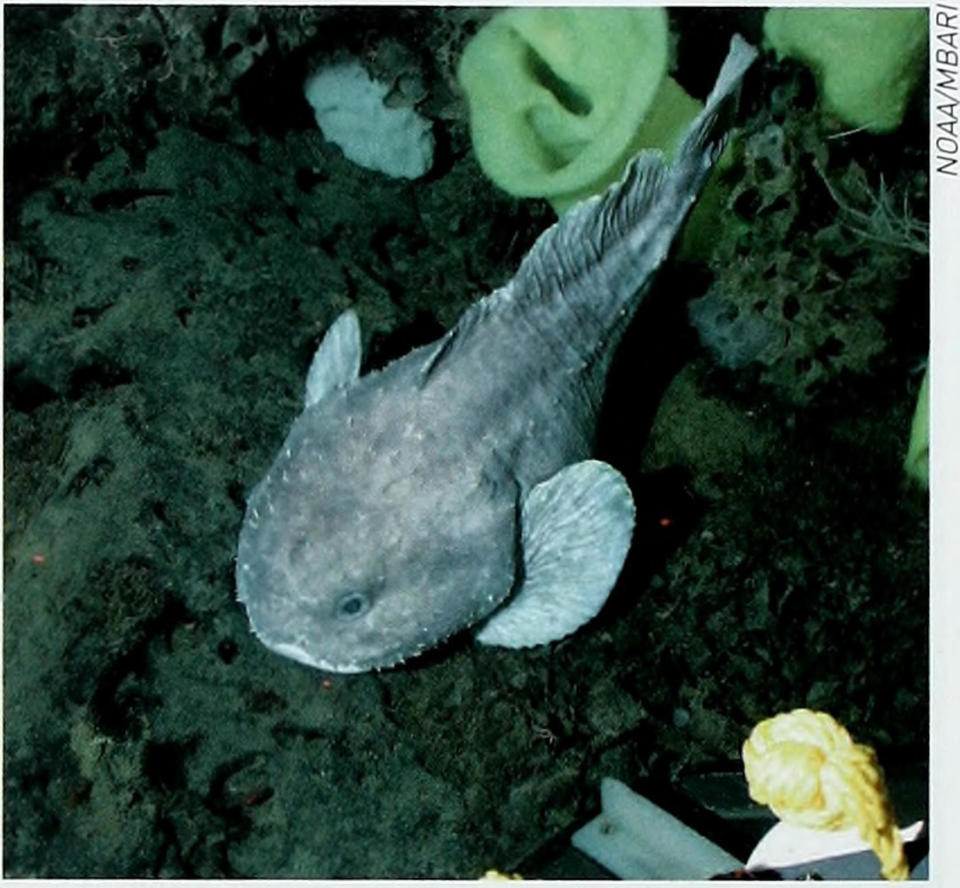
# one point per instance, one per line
(653, 200)
(613, 243)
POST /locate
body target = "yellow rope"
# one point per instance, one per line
(805, 767)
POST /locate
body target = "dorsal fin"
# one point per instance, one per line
(439, 352)
(458, 333)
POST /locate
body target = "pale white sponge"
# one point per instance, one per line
(350, 111)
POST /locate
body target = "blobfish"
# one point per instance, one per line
(454, 488)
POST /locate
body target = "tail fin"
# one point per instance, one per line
(718, 110)
(625, 233)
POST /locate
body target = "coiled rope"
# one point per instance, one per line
(805, 767)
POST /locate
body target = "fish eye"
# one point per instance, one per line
(352, 605)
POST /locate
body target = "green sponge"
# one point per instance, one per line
(916, 465)
(560, 99)
(866, 61)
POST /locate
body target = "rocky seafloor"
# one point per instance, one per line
(178, 237)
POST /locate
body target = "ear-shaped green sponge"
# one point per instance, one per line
(866, 61)
(560, 99)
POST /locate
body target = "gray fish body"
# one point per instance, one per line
(454, 487)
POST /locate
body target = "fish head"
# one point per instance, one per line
(355, 556)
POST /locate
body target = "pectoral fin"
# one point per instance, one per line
(577, 526)
(337, 359)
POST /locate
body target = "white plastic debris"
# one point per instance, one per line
(635, 839)
(797, 851)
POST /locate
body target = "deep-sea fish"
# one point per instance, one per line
(454, 488)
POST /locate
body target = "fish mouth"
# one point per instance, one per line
(301, 656)
(294, 652)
